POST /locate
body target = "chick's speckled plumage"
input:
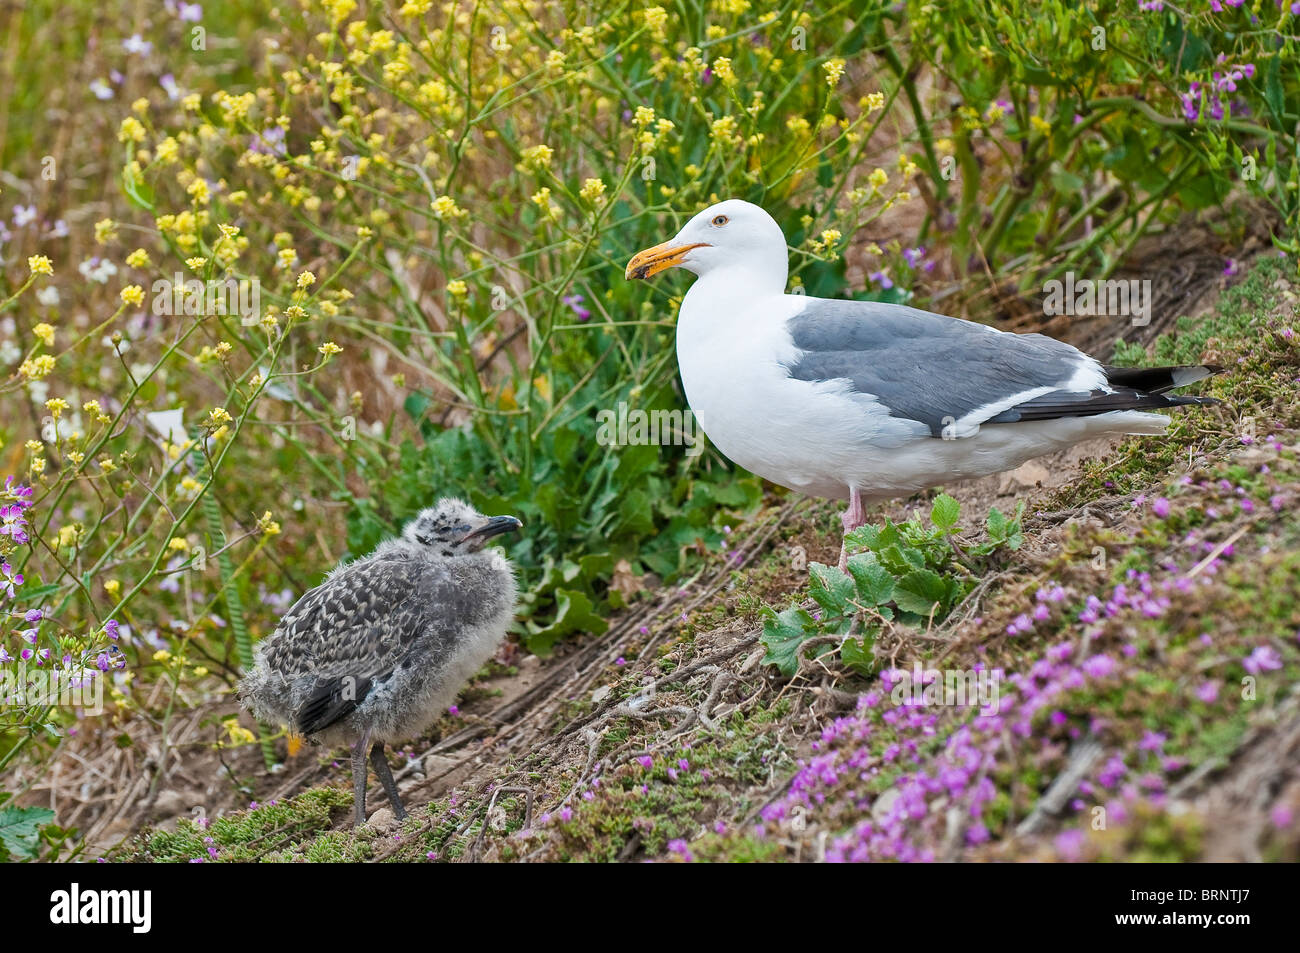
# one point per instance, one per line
(381, 647)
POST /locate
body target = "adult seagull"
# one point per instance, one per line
(862, 400)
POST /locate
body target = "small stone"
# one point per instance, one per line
(171, 803)
(435, 765)
(881, 806)
(1030, 474)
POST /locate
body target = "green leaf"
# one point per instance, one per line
(20, 828)
(864, 537)
(136, 189)
(1273, 94)
(912, 556)
(875, 583)
(920, 592)
(1014, 534)
(574, 612)
(784, 633)
(415, 404)
(945, 511)
(830, 588)
(859, 656)
(875, 537)
(36, 595)
(996, 524)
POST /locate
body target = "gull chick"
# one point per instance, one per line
(863, 400)
(377, 651)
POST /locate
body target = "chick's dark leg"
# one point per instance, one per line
(385, 776)
(359, 778)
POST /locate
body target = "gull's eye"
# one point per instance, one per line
(720, 220)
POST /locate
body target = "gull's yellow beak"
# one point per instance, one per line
(650, 262)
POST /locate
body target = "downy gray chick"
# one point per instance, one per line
(377, 651)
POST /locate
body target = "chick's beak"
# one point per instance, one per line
(493, 526)
(645, 264)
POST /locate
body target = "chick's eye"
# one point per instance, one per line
(720, 220)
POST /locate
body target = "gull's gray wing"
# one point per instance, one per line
(951, 374)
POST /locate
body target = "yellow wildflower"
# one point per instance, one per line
(131, 130)
(444, 206)
(655, 18)
(167, 151)
(723, 130)
(238, 734)
(537, 157)
(37, 367)
(871, 102)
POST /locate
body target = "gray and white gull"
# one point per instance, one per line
(863, 400)
(377, 651)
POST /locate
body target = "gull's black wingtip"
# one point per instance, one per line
(1157, 380)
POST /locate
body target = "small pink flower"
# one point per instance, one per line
(1263, 659)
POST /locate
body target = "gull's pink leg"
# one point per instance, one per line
(853, 517)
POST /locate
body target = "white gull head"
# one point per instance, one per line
(735, 238)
